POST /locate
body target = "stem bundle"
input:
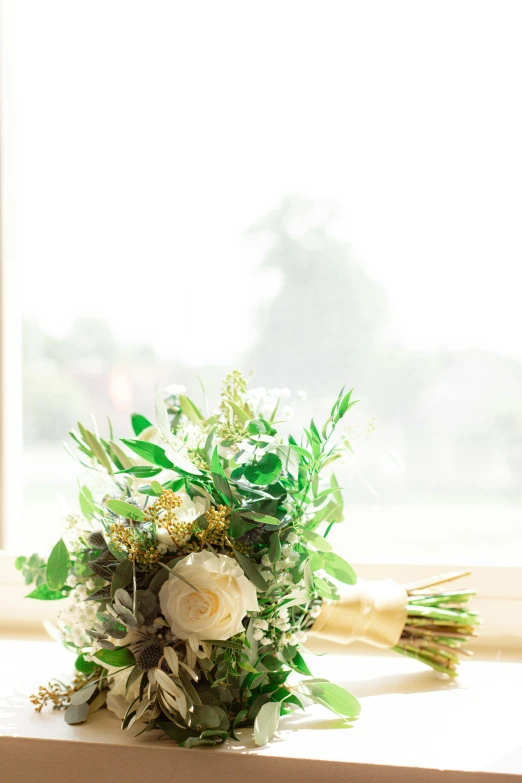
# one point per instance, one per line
(438, 624)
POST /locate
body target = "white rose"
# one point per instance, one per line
(215, 611)
(117, 701)
(191, 508)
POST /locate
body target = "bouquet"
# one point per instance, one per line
(199, 564)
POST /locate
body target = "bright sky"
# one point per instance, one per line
(151, 135)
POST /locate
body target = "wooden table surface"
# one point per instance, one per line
(414, 726)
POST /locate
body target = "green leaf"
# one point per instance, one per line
(337, 699)
(299, 664)
(156, 456)
(83, 666)
(274, 550)
(149, 451)
(337, 494)
(42, 593)
(260, 427)
(336, 566)
(117, 658)
(122, 576)
(141, 471)
(302, 452)
(219, 478)
(320, 543)
(96, 447)
(139, 423)
(267, 722)
(86, 502)
(20, 562)
(271, 662)
(241, 414)
(262, 519)
(346, 404)
(190, 410)
(238, 527)
(265, 471)
(118, 456)
(315, 431)
(156, 488)
(316, 561)
(251, 570)
(58, 566)
(126, 510)
(324, 589)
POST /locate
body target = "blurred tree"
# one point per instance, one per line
(321, 329)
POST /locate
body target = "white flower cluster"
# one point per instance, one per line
(279, 630)
(75, 531)
(79, 615)
(190, 436)
(263, 402)
(287, 561)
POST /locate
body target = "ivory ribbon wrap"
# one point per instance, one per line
(372, 612)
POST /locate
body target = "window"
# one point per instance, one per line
(311, 193)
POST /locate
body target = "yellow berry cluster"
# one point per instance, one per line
(163, 514)
(137, 547)
(57, 694)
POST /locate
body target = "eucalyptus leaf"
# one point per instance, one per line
(265, 471)
(175, 732)
(86, 502)
(76, 713)
(126, 510)
(336, 566)
(266, 722)
(83, 695)
(98, 702)
(58, 566)
(333, 696)
(205, 717)
(123, 597)
(126, 615)
(320, 543)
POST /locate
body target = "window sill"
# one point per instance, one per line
(415, 726)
